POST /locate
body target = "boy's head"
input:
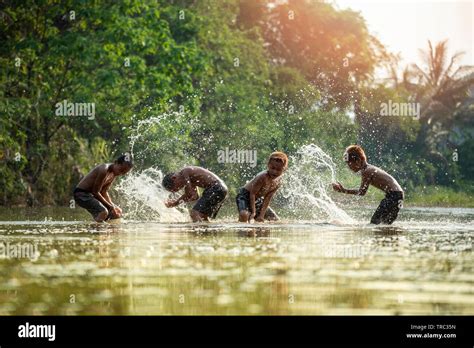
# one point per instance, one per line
(355, 157)
(173, 182)
(123, 164)
(277, 164)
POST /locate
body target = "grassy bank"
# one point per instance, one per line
(435, 196)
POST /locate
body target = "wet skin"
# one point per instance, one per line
(371, 175)
(265, 184)
(98, 182)
(192, 177)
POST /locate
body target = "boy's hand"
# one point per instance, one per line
(169, 203)
(116, 212)
(337, 187)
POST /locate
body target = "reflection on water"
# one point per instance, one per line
(423, 264)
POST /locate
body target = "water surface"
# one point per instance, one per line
(53, 262)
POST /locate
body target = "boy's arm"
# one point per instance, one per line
(115, 209)
(364, 186)
(252, 205)
(266, 203)
(255, 186)
(97, 189)
(190, 194)
(104, 192)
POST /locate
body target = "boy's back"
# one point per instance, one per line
(380, 179)
(189, 178)
(88, 181)
(200, 177)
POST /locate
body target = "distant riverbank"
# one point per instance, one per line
(433, 196)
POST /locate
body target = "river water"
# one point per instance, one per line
(56, 262)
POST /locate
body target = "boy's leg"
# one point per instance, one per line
(87, 201)
(102, 216)
(395, 202)
(243, 205)
(380, 212)
(391, 216)
(197, 216)
(244, 216)
(388, 210)
(216, 199)
(209, 204)
(270, 215)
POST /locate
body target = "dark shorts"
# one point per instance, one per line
(86, 200)
(211, 200)
(388, 208)
(243, 203)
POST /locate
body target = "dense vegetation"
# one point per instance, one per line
(246, 74)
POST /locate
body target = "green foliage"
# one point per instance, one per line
(440, 196)
(218, 74)
(466, 159)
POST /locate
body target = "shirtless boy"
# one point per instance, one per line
(389, 207)
(92, 191)
(254, 198)
(192, 177)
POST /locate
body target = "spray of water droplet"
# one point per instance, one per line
(307, 181)
(144, 198)
(305, 189)
(141, 190)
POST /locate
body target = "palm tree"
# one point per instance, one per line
(445, 92)
(444, 85)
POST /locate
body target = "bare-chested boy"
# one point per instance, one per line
(92, 191)
(389, 207)
(254, 198)
(192, 177)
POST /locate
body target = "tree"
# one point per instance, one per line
(123, 60)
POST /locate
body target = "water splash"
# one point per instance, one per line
(145, 125)
(144, 197)
(163, 139)
(307, 181)
(166, 136)
(152, 140)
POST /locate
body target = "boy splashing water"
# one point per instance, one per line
(92, 191)
(254, 198)
(389, 207)
(191, 177)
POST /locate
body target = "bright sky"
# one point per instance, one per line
(404, 26)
